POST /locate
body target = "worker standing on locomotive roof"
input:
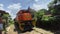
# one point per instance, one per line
(1, 25)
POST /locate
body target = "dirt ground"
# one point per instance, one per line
(10, 30)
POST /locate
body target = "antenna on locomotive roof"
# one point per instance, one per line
(29, 8)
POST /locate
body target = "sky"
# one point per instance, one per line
(13, 6)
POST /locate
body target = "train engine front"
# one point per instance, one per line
(23, 20)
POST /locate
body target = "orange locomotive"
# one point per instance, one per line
(23, 20)
(24, 15)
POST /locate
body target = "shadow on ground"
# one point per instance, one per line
(53, 27)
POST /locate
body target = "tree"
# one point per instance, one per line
(54, 7)
(40, 13)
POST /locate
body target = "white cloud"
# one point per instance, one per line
(14, 6)
(36, 0)
(38, 6)
(1, 7)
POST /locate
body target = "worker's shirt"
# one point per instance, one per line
(1, 24)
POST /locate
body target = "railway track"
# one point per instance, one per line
(10, 30)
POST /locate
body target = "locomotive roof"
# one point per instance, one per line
(23, 11)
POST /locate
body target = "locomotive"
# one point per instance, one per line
(23, 20)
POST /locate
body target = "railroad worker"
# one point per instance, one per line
(1, 25)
